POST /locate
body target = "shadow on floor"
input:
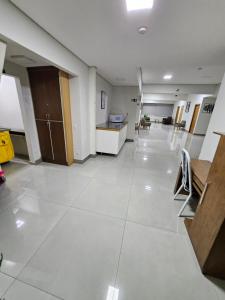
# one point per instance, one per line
(12, 167)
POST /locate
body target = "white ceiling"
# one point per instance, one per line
(182, 36)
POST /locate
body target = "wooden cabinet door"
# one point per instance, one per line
(45, 141)
(39, 94)
(58, 142)
(45, 88)
(51, 77)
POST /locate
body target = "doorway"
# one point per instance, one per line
(177, 114)
(194, 118)
(180, 116)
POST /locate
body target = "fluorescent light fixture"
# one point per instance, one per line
(113, 293)
(139, 4)
(168, 76)
(148, 188)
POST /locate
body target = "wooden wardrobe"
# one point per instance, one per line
(51, 100)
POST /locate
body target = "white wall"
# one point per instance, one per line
(217, 123)
(159, 110)
(194, 99)
(2, 55)
(28, 34)
(92, 109)
(184, 89)
(204, 118)
(26, 105)
(187, 116)
(176, 104)
(121, 103)
(102, 85)
(10, 111)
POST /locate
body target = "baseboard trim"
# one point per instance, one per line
(22, 156)
(82, 161)
(36, 162)
(199, 134)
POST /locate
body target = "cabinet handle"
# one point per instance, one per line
(50, 134)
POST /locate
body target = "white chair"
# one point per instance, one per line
(186, 178)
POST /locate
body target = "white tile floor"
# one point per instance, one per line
(104, 230)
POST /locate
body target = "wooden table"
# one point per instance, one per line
(200, 170)
(207, 229)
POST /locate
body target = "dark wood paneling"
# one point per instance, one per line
(44, 140)
(45, 90)
(58, 142)
(39, 95)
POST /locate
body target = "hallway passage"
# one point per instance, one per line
(104, 230)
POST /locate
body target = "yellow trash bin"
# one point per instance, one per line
(6, 147)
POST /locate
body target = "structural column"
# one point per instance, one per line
(2, 55)
(92, 109)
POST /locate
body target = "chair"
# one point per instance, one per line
(167, 121)
(145, 124)
(137, 127)
(180, 125)
(186, 179)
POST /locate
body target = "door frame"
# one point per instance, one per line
(181, 113)
(177, 114)
(193, 120)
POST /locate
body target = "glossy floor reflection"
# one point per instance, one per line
(104, 230)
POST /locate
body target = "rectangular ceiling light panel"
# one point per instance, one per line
(139, 4)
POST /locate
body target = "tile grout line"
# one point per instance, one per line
(39, 289)
(123, 235)
(11, 284)
(43, 241)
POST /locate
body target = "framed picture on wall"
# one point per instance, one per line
(208, 108)
(103, 99)
(187, 107)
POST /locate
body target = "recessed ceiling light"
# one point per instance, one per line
(139, 4)
(142, 29)
(168, 76)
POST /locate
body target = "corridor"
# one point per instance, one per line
(104, 230)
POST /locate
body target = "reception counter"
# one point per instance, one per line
(110, 137)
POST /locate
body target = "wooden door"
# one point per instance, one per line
(44, 140)
(194, 118)
(39, 94)
(53, 94)
(177, 114)
(58, 142)
(45, 88)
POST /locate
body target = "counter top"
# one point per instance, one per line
(4, 129)
(111, 126)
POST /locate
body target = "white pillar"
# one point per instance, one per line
(92, 108)
(217, 123)
(2, 55)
